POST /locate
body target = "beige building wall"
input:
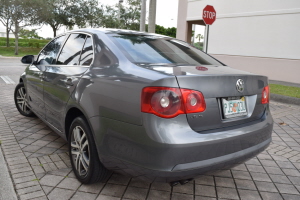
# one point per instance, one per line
(253, 35)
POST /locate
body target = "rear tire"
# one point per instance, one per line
(21, 102)
(83, 153)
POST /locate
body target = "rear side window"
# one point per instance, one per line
(87, 52)
(71, 51)
(49, 53)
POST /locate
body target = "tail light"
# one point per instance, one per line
(170, 102)
(265, 98)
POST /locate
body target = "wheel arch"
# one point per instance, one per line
(73, 113)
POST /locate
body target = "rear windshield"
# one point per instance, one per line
(154, 49)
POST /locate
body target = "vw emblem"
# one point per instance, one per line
(240, 85)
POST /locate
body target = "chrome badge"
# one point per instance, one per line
(240, 85)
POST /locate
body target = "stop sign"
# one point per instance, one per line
(209, 15)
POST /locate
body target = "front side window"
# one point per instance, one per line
(149, 49)
(71, 51)
(49, 53)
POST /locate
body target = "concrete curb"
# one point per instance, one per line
(13, 57)
(284, 83)
(7, 191)
(285, 99)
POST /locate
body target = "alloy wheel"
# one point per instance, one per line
(22, 100)
(80, 151)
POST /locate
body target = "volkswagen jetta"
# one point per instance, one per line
(144, 105)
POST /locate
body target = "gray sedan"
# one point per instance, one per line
(144, 105)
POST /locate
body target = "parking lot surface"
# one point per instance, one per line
(39, 165)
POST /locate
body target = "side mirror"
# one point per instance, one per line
(27, 59)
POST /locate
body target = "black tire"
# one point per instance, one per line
(83, 153)
(20, 97)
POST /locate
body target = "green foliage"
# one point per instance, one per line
(86, 13)
(129, 15)
(199, 37)
(18, 14)
(57, 13)
(36, 43)
(26, 40)
(23, 51)
(171, 32)
(29, 34)
(199, 45)
(285, 90)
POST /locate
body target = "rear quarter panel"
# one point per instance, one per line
(112, 86)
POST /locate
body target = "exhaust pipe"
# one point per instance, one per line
(182, 182)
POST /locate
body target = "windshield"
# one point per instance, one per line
(148, 49)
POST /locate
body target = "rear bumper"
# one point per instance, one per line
(168, 150)
(186, 170)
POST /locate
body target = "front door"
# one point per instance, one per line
(35, 76)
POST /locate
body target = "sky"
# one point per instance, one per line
(166, 15)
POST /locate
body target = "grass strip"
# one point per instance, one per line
(23, 51)
(285, 90)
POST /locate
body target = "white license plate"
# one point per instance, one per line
(234, 107)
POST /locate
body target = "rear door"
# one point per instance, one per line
(61, 79)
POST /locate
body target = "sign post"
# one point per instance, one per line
(209, 17)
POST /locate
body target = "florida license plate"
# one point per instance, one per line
(234, 107)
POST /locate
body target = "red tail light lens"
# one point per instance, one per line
(193, 100)
(169, 102)
(162, 101)
(265, 98)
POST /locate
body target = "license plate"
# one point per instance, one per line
(234, 107)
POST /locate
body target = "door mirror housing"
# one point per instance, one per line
(29, 59)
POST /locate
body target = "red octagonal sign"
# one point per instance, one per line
(209, 15)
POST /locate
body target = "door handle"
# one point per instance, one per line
(69, 82)
(41, 77)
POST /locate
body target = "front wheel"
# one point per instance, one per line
(83, 153)
(20, 98)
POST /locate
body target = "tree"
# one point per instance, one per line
(21, 13)
(109, 17)
(86, 13)
(129, 15)
(5, 17)
(58, 13)
(199, 37)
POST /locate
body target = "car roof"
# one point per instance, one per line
(116, 31)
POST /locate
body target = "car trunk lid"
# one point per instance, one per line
(218, 84)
